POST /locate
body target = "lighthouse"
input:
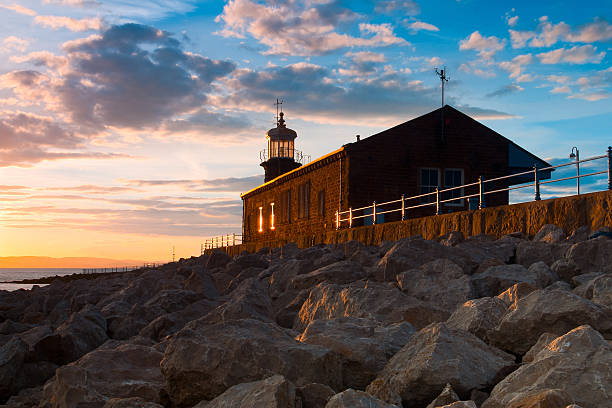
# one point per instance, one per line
(280, 156)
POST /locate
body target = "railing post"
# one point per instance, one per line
(403, 207)
(609, 167)
(374, 213)
(438, 210)
(350, 217)
(536, 183)
(337, 219)
(233, 239)
(481, 195)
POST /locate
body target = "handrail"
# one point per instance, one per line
(221, 241)
(536, 183)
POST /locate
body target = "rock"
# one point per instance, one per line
(594, 255)
(283, 273)
(543, 341)
(288, 306)
(338, 272)
(447, 396)
(249, 300)
(561, 285)
(314, 395)
(202, 360)
(27, 398)
(273, 392)
(544, 275)
(598, 290)
(530, 252)
(222, 281)
(11, 327)
(373, 300)
(434, 357)
(565, 269)
(460, 404)
(517, 291)
(487, 249)
(550, 233)
(554, 311)
(117, 370)
(133, 402)
(584, 278)
(83, 332)
(12, 356)
(364, 343)
(356, 399)
(441, 282)
(497, 279)
(487, 263)
(200, 281)
(411, 253)
(242, 276)
(605, 232)
(478, 316)
(579, 234)
(578, 362)
(454, 238)
(217, 259)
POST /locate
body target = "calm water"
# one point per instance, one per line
(14, 274)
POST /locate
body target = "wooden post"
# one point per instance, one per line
(403, 207)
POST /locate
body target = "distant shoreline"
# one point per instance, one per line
(67, 278)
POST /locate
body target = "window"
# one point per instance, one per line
(260, 219)
(321, 200)
(430, 179)
(453, 178)
(285, 210)
(304, 200)
(272, 216)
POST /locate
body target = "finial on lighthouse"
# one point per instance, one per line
(281, 121)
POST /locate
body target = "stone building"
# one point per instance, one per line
(441, 149)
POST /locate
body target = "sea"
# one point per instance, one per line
(17, 274)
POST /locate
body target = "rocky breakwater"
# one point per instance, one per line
(454, 322)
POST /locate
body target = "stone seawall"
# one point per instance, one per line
(593, 210)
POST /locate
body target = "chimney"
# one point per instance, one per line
(358, 137)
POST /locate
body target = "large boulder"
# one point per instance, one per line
(203, 360)
(356, 399)
(83, 332)
(578, 362)
(201, 282)
(411, 253)
(447, 396)
(132, 402)
(496, 279)
(550, 233)
(530, 252)
(282, 273)
(594, 255)
(116, 370)
(249, 301)
(373, 300)
(517, 291)
(548, 310)
(314, 395)
(338, 272)
(273, 392)
(478, 316)
(441, 282)
(598, 290)
(365, 344)
(12, 357)
(434, 357)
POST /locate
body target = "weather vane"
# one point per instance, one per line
(279, 102)
(443, 79)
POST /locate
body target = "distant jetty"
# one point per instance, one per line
(88, 273)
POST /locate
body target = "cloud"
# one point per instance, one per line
(598, 30)
(420, 25)
(549, 34)
(72, 24)
(366, 56)
(560, 90)
(12, 43)
(406, 7)
(560, 79)
(77, 3)
(575, 55)
(93, 189)
(486, 46)
(591, 96)
(300, 28)
(505, 90)
(515, 66)
(19, 9)
(519, 38)
(511, 21)
(228, 185)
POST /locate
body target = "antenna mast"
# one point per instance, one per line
(279, 102)
(442, 74)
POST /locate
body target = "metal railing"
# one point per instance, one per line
(221, 241)
(287, 153)
(436, 197)
(119, 268)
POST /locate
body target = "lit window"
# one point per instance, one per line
(260, 219)
(271, 216)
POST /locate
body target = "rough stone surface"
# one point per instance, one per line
(338, 272)
(515, 292)
(447, 396)
(314, 395)
(593, 255)
(578, 362)
(529, 252)
(133, 402)
(116, 370)
(373, 300)
(478, 316)
(496, 279)
(597, 289)
(272, 392)
(249, 301)
(441, 282)
(364, 343)
(83, 332)
(203, 360)
(550, 233)
(554, 311)
(434, 357)
(356, 399)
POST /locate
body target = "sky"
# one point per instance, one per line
(128, 128)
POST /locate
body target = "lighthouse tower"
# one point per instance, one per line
(280, 156)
